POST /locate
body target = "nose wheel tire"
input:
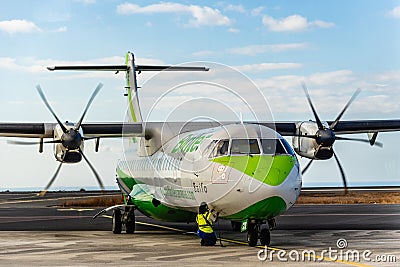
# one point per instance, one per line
(265, 237)
(130, 222)
(116, 222)
(252, 234)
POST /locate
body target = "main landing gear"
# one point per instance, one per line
(127, 218)
(256, 230)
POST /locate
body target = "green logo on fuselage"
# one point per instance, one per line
(190, 143)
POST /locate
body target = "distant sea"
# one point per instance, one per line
(72, 188)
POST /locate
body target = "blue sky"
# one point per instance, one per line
(335, 46)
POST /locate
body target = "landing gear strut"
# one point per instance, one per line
(257, 231)
(127, 219)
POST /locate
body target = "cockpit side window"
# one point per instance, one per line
(289, 149)
(245, 146)
(220, 148)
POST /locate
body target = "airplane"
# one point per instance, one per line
(246, 171)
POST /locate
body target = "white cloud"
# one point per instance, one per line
(253, 50)
(234, 30)
(39, 65)
(268, 67)
(236, 8)
(395, 12)
(257, 11)
(201, 15)
(331, 90)
(18, 26)
(293, 23)
(334, 77)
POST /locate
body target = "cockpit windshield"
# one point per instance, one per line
(218, 148)
(276, 146)
(245, 146)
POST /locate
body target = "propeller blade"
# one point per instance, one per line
(39, 89)
(341, 172)
(308, 166)
(44, 191)
(93, 170)
(99, 86)
(332, 126)
(32, 143)
(379, 144)
(319, 123)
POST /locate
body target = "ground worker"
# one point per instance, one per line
(204, 220)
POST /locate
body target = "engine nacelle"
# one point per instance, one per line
(63, 154)
(308, 147)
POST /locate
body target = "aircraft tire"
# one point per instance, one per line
(252, 235)
(265, 237)
(116, 222)
(130, 223)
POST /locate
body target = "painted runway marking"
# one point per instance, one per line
(74, 209)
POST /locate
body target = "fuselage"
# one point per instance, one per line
(243, 171)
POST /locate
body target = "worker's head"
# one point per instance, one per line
(203, 207)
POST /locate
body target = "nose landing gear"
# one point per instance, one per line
(127, 218)
(257, 231)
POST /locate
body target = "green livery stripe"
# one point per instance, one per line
(271, 170)
(126, 179)
(144, 203)
(128, 84)
(264, 209)
(164, 213)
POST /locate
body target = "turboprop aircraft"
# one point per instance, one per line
(246, 171)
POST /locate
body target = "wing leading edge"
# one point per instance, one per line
(102, 130)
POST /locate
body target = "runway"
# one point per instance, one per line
(37, 231)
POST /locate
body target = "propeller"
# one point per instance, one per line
(325, 137)
(71, 138)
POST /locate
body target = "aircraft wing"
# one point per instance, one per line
(46, 130)
(343, 127)
(366, 126)
(102, 130)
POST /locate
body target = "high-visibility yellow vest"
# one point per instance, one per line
(203, 225)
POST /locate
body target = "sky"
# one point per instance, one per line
(335, 47)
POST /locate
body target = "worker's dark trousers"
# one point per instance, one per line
(207, 239)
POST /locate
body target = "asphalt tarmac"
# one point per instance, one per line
(37, 231)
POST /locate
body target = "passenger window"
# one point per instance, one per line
(245, 146)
